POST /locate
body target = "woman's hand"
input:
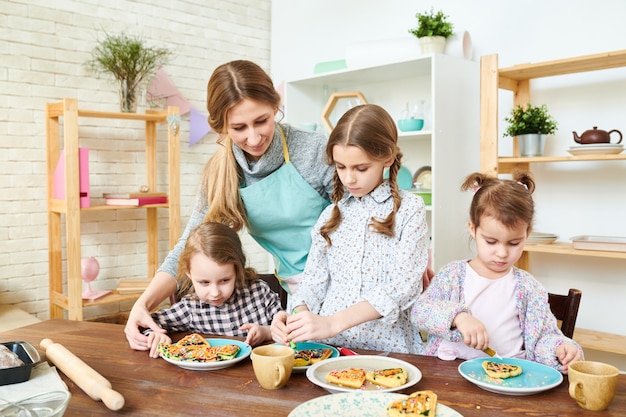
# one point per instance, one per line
(567, 353)
(473, 330)
(140, 317)
(154, 339)
(257, 334)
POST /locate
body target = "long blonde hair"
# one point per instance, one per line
(229, 84)
(370, 128)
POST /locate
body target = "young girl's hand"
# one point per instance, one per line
(279, 329)
(473, 330)
(257, 334)
(154, 338)
(308, 326)
(567, 353)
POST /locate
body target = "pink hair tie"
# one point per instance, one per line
(524, 185)
(475, 189)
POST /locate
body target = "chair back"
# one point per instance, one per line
(565, 309)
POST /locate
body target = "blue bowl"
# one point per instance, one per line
(408, 125)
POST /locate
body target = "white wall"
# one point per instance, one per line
(43, 46)
(568, 196)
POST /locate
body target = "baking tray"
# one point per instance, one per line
(606, 243)
(28, 354)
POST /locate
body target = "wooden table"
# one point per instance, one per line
(153, 387)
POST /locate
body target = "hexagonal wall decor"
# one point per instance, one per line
(338, 103)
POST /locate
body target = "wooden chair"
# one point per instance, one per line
(565, 309)
(275, 285)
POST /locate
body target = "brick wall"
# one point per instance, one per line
(43, 46)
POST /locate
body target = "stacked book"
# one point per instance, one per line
(132, 285)
(135, 199)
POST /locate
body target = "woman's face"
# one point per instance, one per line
(251, 126)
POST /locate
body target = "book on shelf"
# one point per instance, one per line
(137, 194)
(132, 285)
(58, 190)
(135, 202)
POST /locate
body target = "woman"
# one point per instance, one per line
(266, 176)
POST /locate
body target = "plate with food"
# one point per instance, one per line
(363, 373)
(510, 376)
(196, 353)
(310, 353)
(369, 404)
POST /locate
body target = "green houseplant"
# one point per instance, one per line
(129, 60)
(433, 28)
(531, 125)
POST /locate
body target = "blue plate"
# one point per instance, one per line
(313, 345)
(244, 352)
(534, 378)
(405, 179)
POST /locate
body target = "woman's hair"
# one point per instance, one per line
(229, 84)
(370, 128)
(219, 243)
(509, 201)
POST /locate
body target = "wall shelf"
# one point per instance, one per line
(69, 240)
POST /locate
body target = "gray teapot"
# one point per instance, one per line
(596, 135)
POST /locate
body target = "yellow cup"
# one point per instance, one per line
(592, 384)
(272, 365)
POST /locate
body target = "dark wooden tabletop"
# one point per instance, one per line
(153, 387)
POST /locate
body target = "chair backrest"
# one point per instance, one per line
(269, 278)
(565, 309)
(275, 285)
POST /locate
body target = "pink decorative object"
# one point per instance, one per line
(89, 269)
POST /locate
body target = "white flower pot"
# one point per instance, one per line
(433, 44)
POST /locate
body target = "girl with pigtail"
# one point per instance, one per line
(487, 301)
(369, 250)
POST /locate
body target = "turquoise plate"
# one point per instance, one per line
(313, 345)
(405, 179)
(534, 378)
(244, 352)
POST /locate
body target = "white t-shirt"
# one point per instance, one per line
(492, 301)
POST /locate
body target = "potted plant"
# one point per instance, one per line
(433, 28)
(531, 125)
(130, 61)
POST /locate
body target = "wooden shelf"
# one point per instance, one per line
(64, 275)
(602, 341)
(517, 79)
(563, 248)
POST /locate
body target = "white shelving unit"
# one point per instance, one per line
(449, 142)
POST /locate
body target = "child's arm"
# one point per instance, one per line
(305, 325)
(473, 330)
(568, 353)
(257, 334)
(154, 338)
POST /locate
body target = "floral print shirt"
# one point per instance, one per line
(364, 265)
(437, 307)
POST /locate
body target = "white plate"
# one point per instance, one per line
(598, 145)
(596, 150)
(313, 345)
(544, 238)
(244, 352)
(357, 404)
(534, 378)
(317, 373)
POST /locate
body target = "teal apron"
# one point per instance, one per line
(282, 209)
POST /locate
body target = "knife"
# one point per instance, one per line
(492, 353)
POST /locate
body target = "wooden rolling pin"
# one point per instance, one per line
(90, 381)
